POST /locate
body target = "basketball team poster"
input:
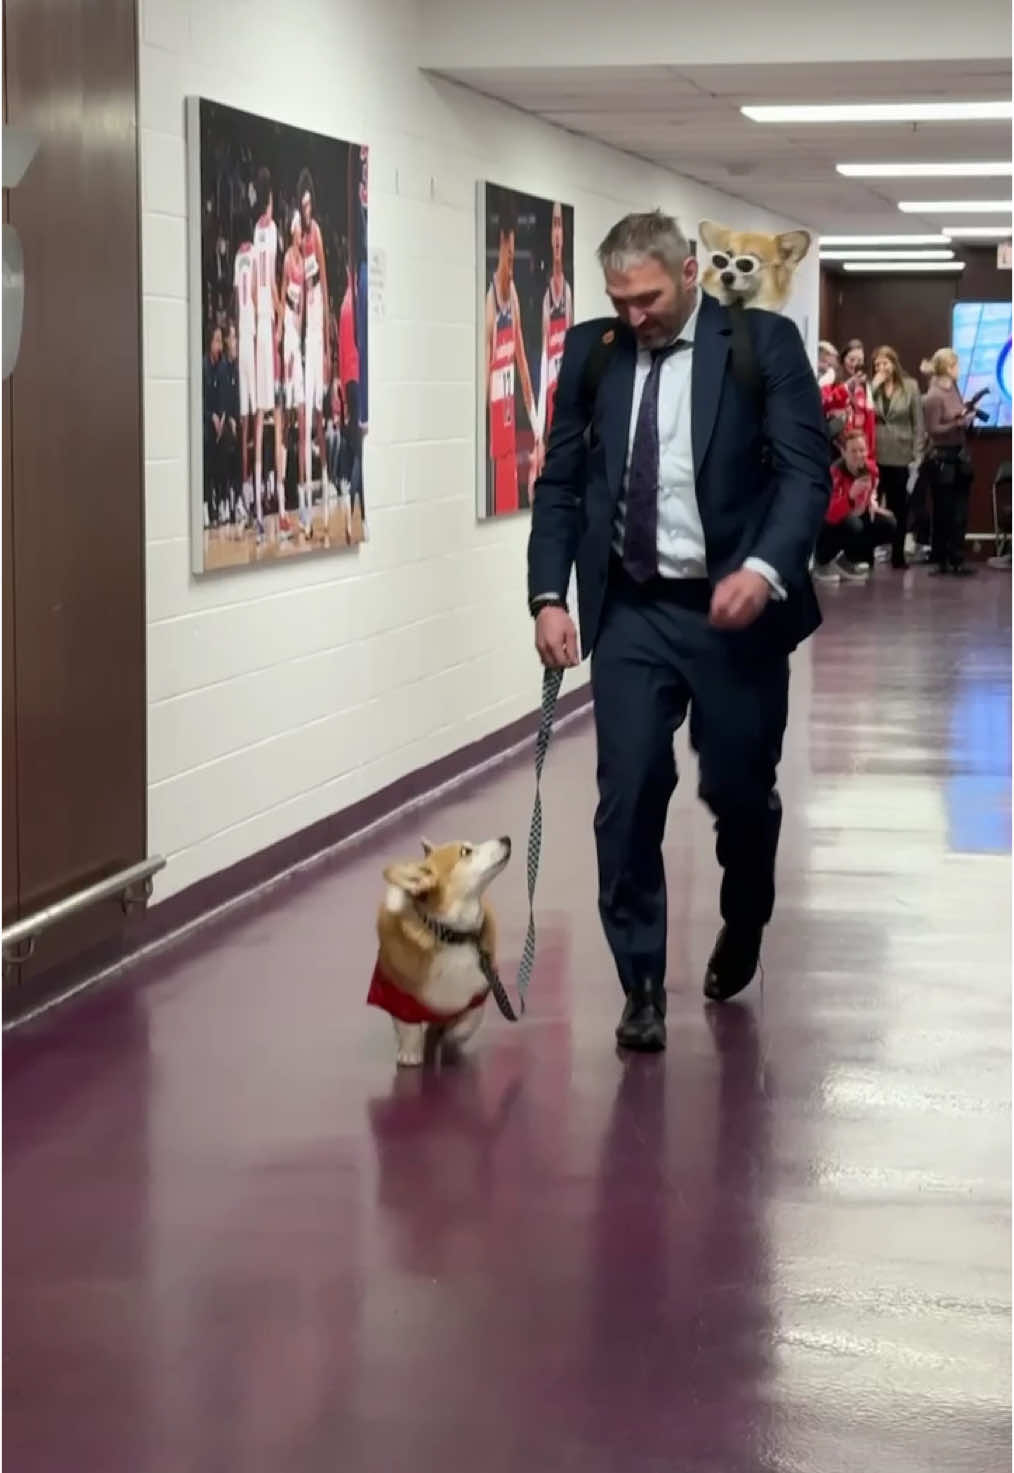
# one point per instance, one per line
(279, 320)
(526, 305)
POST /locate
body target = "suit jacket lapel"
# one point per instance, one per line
(617, 401)
(711, 349)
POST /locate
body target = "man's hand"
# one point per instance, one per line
(739, 600)
(556, 639)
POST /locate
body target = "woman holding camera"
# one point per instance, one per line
(948, 464)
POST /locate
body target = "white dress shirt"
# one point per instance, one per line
(681, 550)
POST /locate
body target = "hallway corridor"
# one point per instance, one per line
(236, 1242)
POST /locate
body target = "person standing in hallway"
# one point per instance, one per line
(948, 466)
(898, 407)
(690, 506)
(861, 414)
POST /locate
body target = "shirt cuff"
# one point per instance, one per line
(767, 572)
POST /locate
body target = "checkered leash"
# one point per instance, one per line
(551, 683)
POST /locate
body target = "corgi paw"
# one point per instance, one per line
(411, 1040)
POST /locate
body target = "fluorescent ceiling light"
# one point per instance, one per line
(977, 232)
(925, 171)
(878, 255)
(882, 240)
(956, 206)
(879, 112)
(877, 267)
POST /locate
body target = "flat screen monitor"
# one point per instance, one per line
(981, 336)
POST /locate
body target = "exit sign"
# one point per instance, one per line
(1003, 256)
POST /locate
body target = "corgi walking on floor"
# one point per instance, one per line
(437, 944)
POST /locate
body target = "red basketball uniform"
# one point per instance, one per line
(502, 439)
(559, 320)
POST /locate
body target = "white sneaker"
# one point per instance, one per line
(853, 572)
(826, 573)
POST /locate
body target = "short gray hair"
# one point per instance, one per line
(654, 234)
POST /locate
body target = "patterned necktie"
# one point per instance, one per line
(640, 536)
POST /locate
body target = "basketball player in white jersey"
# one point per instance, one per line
(269, 315)
(318, 318)
(245, 316)
(294, 300)
(557, 318)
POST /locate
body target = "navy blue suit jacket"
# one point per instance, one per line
(751, 505)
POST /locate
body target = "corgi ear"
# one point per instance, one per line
(427, 847)
(414, 879)
(793, 245)
(714, 237)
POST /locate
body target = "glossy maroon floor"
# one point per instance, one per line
(234, 1240)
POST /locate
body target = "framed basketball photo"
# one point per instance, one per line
(279, 319)
(525, 306)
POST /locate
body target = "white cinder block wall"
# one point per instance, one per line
(279, 696)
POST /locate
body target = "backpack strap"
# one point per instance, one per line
(744, 356)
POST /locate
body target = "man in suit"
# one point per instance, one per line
(690, 503)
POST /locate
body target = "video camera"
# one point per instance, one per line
(972, 405)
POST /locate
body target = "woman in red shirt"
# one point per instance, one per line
(854, 524)
(862, 415)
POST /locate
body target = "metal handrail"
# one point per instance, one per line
(25, 933)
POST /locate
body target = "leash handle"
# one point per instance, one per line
(552, 680)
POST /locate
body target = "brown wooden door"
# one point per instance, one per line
(73, 609)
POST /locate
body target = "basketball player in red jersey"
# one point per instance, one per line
(557, 318)
(318, 318)
(505, 346)
(269, 314)
(245, 316)
(294, 300)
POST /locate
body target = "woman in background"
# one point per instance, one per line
(861, 415)
(897, 405)
(948, 466)
(828, 364)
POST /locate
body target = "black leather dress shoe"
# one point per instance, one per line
(733, 962)
(642, 1026)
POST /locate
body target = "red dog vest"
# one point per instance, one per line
(386, 995)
